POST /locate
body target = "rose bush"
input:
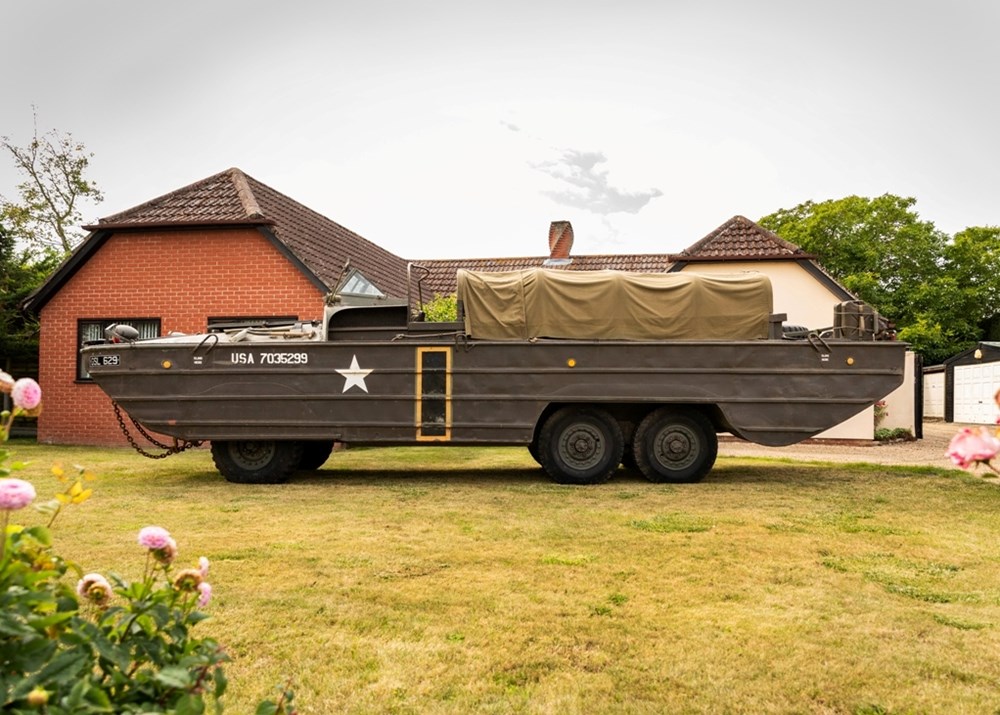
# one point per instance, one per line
(102, 644)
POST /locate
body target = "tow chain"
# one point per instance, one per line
(176, 448)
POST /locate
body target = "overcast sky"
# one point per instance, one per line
(460, 128)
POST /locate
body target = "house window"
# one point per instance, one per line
(90, 330)
(357, 284)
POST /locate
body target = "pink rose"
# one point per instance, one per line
(972, 446)
(203, 565)
(95, 587)
(204, 593)
(168, 553)
(26, 394)
(15, 494)
(154, 537)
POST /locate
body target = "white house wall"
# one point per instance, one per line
(901, 403)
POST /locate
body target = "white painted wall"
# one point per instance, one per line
(797, 293)
(901, 403)
(861, 426)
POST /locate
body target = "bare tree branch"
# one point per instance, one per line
(53, 166)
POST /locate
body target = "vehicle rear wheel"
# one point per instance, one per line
(675, 446)
(580, 446)
(315, 453)
(256, 461)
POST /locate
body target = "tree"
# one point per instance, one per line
(53, 166)
(441, 308)
(21, 271)
(882, 252)
(973, 259)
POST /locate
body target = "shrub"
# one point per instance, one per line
(895, 434)
(441, 308)
(108, 645)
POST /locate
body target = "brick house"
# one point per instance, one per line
(229, 248)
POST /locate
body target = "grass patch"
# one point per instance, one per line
(439, 580)
(673, 524)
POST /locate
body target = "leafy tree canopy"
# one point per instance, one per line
(21, 271)
(441, 309)
(941, 293)
(48, 206)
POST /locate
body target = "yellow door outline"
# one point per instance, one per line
(428, 425)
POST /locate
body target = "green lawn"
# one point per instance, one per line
(418, 580)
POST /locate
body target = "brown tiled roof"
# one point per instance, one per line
(224, 197)
(232, 197)
(741, 239)
(442, 277)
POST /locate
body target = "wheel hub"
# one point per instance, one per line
(252, 455)
(676, 447)
(582, 446)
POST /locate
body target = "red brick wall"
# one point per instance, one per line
(180, 277)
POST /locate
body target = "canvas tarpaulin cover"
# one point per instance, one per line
(611, 305)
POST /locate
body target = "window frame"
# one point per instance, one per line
(355, 275)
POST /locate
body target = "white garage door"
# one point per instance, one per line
(934, 395)
(975, 386)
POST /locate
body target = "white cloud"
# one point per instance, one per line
(586, 186)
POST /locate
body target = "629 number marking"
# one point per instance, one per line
(103, 360)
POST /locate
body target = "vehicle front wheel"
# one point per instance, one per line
(256, 461)
(580, 446)
(675, 446)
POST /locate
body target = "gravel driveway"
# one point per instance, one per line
(927, 451)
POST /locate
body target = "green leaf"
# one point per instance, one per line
(267, 708)
(111, 652)
(47, 508)
(65, 667)
(190, 705)
(220, 683)
(174, 677)
(40, 534)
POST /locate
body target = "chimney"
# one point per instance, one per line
(560, 243)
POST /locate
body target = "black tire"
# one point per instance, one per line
(314, 454)
(675, 446)
(533, 451)
(580, 445)
(256, 461)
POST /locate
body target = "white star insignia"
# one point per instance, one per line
(354, 376)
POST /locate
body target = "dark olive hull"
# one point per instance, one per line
(769, 392)
(772, 392)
